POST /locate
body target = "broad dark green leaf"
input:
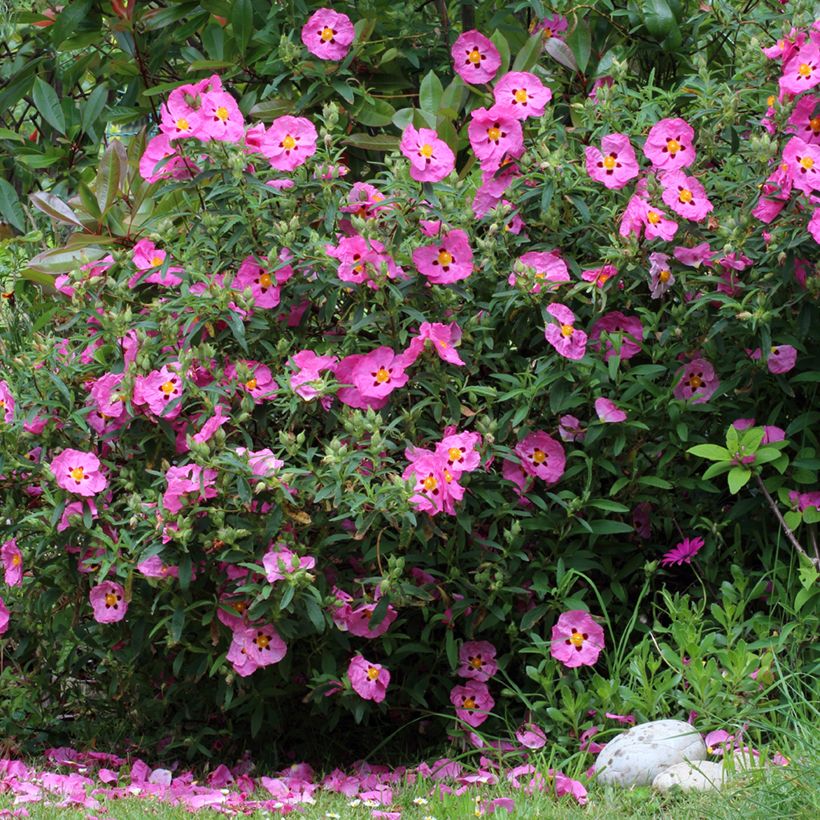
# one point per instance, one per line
(10, 208)
(242, 23)
(48, 104)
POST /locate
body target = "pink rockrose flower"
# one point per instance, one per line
(568, 340)
(160, 390)
(6, 402)
(155, 567)
(814, 225)
(78, 472)
(4, 617)
(259, 382)
(696, 256)
(148, 258)
(475, 58)
(459, 452)
(576, 639)
(570, 429)
(684, 552)
(379, 373)
(361, 261)
(263, 463)
(365, 200)
(685, 196)
(187, 484)
(531, 736)
(12, 560)
(221, 118)
(108, 602)
(328, 34)
(495, 135)
(180, 119)
(289, 142)
(550, 27)
(657, 224)
(803, 161)
(435, 488)
(670, 144)
(609, 412)
(448, 260)
(283, 562)
(431, 159)
(600, 276)
(473, 702)
(368, 680)
(348, 393)
(159, 148)
(801, 71)
(541, 456)
(255, 647)
(805, 119)
(309, 371)
(524, 94)
(264, 284)
(781, 358)
(661, 277)
(547, 267)
(628, 330)
(476, 660)
(443, 338)
(360, 617)
(697, 382)
(718, 742)
(615, 163)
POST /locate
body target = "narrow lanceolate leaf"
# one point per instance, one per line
(55, 208)
(242, 23)
(93, 106)
(10, 209)
(108, 175)
(48, 104)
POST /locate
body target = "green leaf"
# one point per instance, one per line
(375, 113)
(8, 134)
(48, 104)
(603, 526)
(580, 43)
(561, 53)
(107, 185)
(10, 208)
(738, 478)
(711, 451)
(658, 18)
(533, 616)
(530, 52)
(500, 42)
(55, 208)
(718, 468)
(176, 624)
(368, 142)
(430, 93)
(93, 106)
(242, 23)
(69, 20)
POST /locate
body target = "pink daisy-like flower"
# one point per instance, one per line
(473, 702)
(551, 27)
(365, 200)
(6, 402)
(803, 161)
(563, 335)
(697, 381)
(627, 328)
(657, 224)
(670, 144)
(802, 70)
(448, 260)
(459, 452)
(600, 276)
(361, 260)
(265, 285)
(495, 134)
(148, 258)
(159, 390)
(159, 148)
(781, 359)
(476, 660)
(4, 617)
(685, 196)
(660, 275)
(576, 639)
(259, 384)
(615, 163)
(531, 736)
(288, 142)
(684, 552)
(328, 34)
(444, 339)
(349, 394)
(379, 373)
(432, 492)
(12, 560)
(431, 159)
(475, 58)
(254, 647)
(541, 456)
(805, 119)
(221, 118)
(609, 412)
(547, 266)
(369, 680)
(78, 472)
(523, 93)
(108, 602)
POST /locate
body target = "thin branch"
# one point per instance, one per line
(789, 534)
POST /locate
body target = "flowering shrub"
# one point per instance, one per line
(286, 439)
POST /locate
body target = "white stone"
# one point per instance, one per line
(637, 756)
(701, 777)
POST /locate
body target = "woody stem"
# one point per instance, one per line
(786, 529)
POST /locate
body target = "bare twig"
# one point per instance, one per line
(789, 534)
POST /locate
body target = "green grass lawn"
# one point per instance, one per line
(790, 792)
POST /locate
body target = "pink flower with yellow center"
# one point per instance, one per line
(804, 121)
(476, 660)
(661, 277)
(576, 639)
(568, 340)
(802, 70)
(473, 702)
(626, 330)
(7, 403)
(263, 279)
(255, 647)
(475, 58)
(523, 93)
(78, 472)
(670, 144)
(12, 560)
(431, 159)
(685, 196)
(363, 261)
(613, 164)
(697, 381)
(149, 260)
(495, 135)
(541, 456)
(221, 118)
(448, 260)
(328, 34)
(108, 602)
(160, 390)
(547, 269)
(289, 142)
(803, 162)
(369, 680)
(379, 373)
(443, 338)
